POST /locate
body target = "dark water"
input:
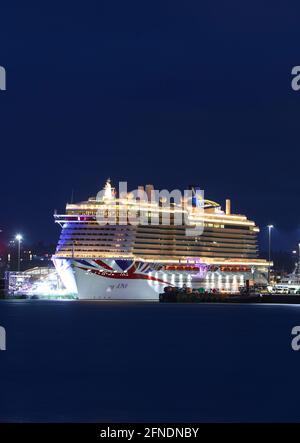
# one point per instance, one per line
(95, 361)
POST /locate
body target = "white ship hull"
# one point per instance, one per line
(116, 279)
(111, 279)
(104, 288)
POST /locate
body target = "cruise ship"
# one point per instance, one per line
(101, 254)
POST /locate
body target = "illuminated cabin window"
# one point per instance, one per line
(213, 225)
(246, 228)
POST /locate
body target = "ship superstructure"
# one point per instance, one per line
(102, 254)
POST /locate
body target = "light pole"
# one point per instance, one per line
(270, 227)
(19, 239)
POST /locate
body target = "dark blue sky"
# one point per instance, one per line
(163, 92)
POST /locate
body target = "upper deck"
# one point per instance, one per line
(126, 226)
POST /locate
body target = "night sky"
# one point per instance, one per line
(162, 92)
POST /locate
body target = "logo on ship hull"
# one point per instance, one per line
(119, 269)
(111, 288)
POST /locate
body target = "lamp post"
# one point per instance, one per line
(294, 252)
(19, 239)
(270, 227)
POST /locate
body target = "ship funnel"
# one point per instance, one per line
(228, 207)
(149, 189)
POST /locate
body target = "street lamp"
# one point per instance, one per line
(19, 239)
(270, 227)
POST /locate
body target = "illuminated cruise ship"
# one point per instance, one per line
(102, 255)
